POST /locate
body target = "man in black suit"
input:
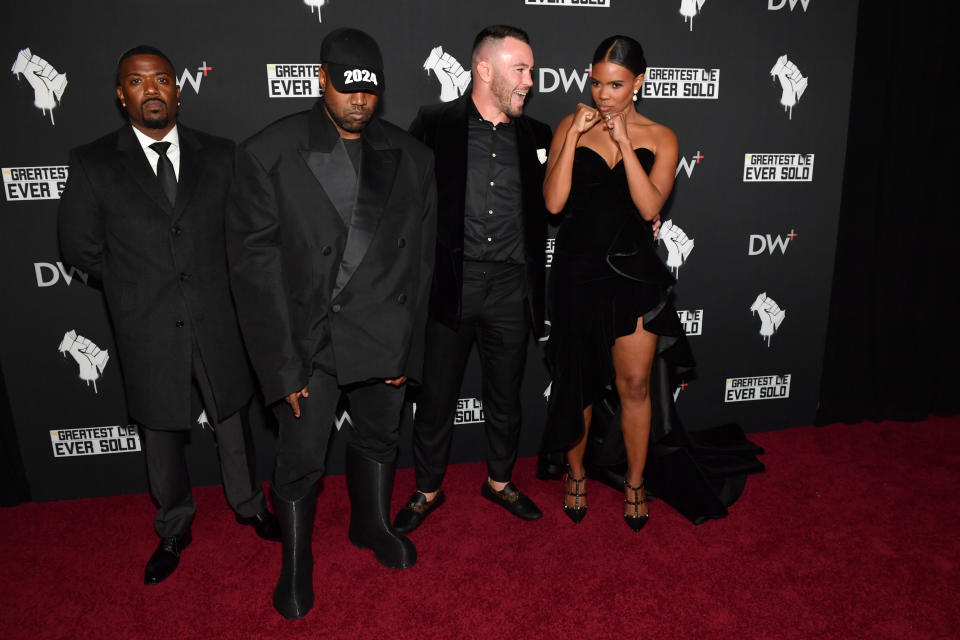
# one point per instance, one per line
(143, 212)
(331, 235)
(488, 284)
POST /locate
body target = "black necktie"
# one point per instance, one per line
(165, 173)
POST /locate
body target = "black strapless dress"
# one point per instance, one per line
(605, 275)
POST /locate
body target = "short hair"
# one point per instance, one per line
(498, 32)
(141, 50)
(624, 51)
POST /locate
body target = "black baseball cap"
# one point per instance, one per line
(353, 60)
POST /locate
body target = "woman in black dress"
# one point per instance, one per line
(614, 329)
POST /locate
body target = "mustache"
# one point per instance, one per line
(143, 105)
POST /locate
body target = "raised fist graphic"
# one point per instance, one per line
(453, 78)
(316, 4)
(678, 244)
(791, 81)
(89, 357)
(771, 315)
(48, 84)
(690, 8)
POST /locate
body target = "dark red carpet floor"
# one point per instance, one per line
(851, 533)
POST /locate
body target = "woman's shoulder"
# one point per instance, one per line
(660, 135)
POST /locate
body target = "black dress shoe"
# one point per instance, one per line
(165, 559)
(550, 466)
(265, 524)
(512, 500)
(416, 511)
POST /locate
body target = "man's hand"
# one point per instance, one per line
(396, 382)
(294, 400)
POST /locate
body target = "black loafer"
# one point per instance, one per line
(265, 524)
(550, 466)
(165, 559)
(416, 511)
(512, 500)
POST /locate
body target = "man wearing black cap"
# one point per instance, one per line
(331, 233)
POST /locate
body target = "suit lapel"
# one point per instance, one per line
(334, 171)
(135, 163)
(192, 163)
(378, 170)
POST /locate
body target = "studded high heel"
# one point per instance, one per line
(576, 512)
(635, 521)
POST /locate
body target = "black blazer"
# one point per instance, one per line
(443, 128)
(312, 291)
(163, 269)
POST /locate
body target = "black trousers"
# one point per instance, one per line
(167, 465)
(374, 409)
(493, 315)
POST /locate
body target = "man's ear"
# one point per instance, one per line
(484, 70)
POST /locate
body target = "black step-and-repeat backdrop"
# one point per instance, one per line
(757, 91)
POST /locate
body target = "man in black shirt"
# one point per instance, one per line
(331, 234)
(488, 284)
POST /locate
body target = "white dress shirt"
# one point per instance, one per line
(173, 151)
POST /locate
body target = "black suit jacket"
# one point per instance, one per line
(443, 128)
(163, 268)
(313, 291)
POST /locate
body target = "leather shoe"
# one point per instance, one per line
(512, 500)
(165, 559)
(265, 524)
(550, 466)
(416, 511)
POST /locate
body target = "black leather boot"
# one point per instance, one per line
(293, 597)
(370, 484)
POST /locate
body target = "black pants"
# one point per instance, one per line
(167, 464)
(374, 410)
(494, 316)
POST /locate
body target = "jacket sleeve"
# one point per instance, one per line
(428, 245)
(254, 244)
(418, 127)
(80, 223)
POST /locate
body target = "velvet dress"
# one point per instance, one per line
(605, 275)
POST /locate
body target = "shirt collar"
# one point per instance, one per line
(173, 137)
(475, 115)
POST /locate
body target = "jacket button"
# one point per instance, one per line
(326, 251)
(179, 324)
(336, 308)
(184, 277)
(402, 242)
(402, 298)
(176, 230)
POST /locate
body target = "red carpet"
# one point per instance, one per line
(851, 533)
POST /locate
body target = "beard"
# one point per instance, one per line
(348, 124)
(504, 95)
(155, 121)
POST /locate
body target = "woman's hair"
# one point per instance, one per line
(624, 51)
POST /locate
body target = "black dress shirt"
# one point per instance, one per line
(493, 224)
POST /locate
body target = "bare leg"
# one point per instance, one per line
(633, 361)
(575, 462)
